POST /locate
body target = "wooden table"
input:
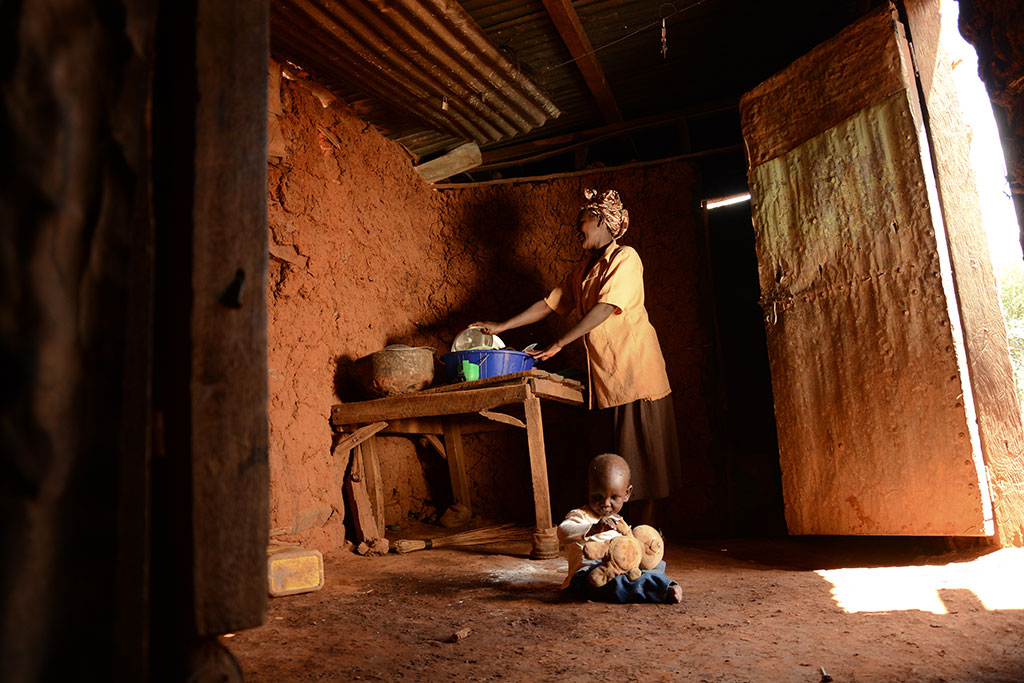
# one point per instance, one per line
(470, 407)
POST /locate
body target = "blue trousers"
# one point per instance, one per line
(652, 586)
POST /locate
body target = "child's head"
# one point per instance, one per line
(608, 484)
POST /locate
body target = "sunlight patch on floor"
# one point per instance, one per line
(995, 579)
(529, 571)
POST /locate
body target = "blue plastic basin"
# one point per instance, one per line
(491, 362)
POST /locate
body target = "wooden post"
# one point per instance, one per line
(357, 437)
(545, 545)
(78, 272)
(371, 465)
(457, 463)
(985, 338)
(363, 521)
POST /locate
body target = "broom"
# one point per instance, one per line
(488, 534)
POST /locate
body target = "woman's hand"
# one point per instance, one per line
(490, 327)
(544, 354)
(538, 311)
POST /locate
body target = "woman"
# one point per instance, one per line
(625, 367)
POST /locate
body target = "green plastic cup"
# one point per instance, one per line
(470, 371)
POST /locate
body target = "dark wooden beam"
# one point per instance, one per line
(462, 158)
(210, 476)
(607, 169)
(569, 141)
(575, 38)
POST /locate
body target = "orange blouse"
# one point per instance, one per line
(624, 361)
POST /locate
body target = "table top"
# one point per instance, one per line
(464, 397)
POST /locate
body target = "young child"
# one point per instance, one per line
(609, 487)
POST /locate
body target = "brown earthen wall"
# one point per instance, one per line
(523, 239)
(351, 225)
(367, 254)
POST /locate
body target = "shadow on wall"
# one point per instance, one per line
(484, 277)
(485, 261)
(347, 386)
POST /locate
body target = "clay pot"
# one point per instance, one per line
(397, 369)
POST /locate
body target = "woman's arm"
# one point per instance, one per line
(594, 317)
(537, 311)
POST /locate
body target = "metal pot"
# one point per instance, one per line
(397, 369)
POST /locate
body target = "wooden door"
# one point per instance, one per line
(877, 421)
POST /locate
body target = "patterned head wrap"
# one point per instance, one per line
(608, 206)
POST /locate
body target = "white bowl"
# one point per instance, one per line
(474, 338)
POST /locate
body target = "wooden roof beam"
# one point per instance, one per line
(566, 141)
(575, 38)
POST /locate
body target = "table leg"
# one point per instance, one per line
(371, 465)
(461, 510)
(363, 521)
(545, 541)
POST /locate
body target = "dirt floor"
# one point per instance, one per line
(788, 609)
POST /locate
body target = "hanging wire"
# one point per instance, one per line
(664, 34)
(660, 20)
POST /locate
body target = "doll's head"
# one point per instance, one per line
(608, 484)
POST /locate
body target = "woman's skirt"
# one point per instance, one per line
(644, 434)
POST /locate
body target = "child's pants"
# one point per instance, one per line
(652, 586)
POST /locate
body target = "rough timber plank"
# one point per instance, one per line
(77, 240)
(436, 444)
(868, 374)
(363, 521)
(435, 425)
(545, 388)
(503, 418)
(505, 379)
(229, 440)
(988, 356)
(538, 463)
(357, 437)
(456, 464)
(832, 82)
(426, 405)
(462, 158)
(375, 484)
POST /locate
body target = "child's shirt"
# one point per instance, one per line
(572, 534)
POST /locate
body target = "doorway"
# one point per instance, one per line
(747, 444)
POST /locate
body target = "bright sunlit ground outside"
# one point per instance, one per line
(994, 579)
(990, 169)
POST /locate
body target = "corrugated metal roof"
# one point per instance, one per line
(426, 59)
(717, 49)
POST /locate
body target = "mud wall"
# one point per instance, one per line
(364, 254)
(521, 240)
(352, 254)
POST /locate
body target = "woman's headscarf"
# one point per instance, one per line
(608, 206)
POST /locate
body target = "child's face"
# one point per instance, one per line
(608, 493)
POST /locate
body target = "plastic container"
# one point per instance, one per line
(292, 570)
(489, 363)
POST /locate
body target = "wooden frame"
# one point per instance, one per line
(464, 408)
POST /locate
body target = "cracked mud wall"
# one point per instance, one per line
(352, 254)
(522, 239)
(364, 254)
